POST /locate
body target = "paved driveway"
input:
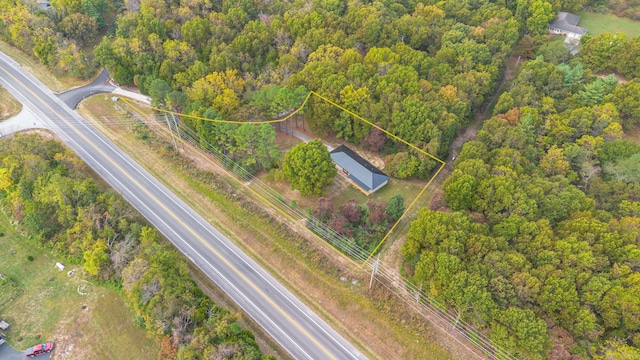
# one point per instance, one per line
(7, 353)
(99, 85)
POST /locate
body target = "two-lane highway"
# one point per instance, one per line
(291, 323)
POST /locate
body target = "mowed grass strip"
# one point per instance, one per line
(373, 320)
(597, 24)
(9, 106)
(48, 307)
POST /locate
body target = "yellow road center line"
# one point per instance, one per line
(249, 282)
(442, 163)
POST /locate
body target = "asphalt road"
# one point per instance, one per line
(101, 84)
(292, 324)
(7, 353)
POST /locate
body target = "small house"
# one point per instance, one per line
(366, 176)
(567, 24)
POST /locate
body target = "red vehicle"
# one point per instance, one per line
(39, 349)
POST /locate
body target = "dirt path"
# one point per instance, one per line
(392, 257)
(471, 131)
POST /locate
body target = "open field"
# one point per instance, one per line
(373, 320)
(43, 304)
(602, 23)
(9, 106)
(55, 82)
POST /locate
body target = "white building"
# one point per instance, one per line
(567, 24)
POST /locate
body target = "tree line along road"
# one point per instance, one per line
(285, 318)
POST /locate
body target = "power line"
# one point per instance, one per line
(391, 279)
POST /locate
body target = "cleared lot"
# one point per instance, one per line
(73, 321)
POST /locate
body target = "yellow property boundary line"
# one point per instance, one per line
(406, 211)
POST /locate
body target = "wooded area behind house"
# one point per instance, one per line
(535, 239)
(540, 231)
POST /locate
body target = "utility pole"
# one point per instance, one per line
(373, 270)
(175, 123)
(175, 145)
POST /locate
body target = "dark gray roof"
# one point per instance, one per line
(568, 22)
(360, 170)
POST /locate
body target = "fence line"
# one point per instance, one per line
(438, 314)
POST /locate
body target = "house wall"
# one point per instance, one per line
(568, 34)
(379, 186)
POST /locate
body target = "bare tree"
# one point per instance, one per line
(122, 253)
(133, 6)
(587, 171)
(181, 323)
(133, 273)
(225, 352)
(150, 289)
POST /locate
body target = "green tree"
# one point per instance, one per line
(541, 13)
(460, 190)
(628, 62)
(159, 89)
(257, 146)
(626, 98)
(554, 162)
(45, 46)
(95, 9)
(309, 168)
(618, 350)
(196, 31)
(395, 206)
(96, 258)
(522, 333)
(617, 150)
(599, 51)
(79, 27)
(553, 51)
(627, 170)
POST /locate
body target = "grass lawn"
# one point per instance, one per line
(43, 304)
(9, 106)
(602, 23)
(372, 320)
(408, 188)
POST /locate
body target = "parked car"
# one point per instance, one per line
(39, 349)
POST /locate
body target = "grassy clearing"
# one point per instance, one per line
(55, 82)
(43, 304)
(408, 188)
(9, 106)
(373, 320)
(602, 23)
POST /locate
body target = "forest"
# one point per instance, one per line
(407, 66)
(45, 191)
(534, 238)
(538, 233)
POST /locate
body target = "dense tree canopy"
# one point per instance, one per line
(415, 68)
(545, 228)
(57, 35)
(309, 168)
(44, 189)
